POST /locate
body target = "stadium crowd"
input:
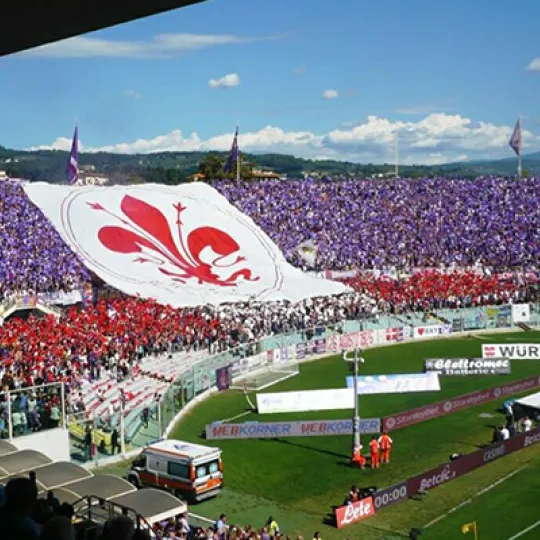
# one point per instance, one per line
(394, 225)
(406, 238)
(27, 515)
(400, 223)
(432, 289)
(34, 257)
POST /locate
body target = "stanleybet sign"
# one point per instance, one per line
(468, 366)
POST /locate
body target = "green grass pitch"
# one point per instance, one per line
(298, 480)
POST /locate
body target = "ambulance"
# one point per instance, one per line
(190, 471)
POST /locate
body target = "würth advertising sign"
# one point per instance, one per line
(523, 351)
(468, 366)
(355, 512)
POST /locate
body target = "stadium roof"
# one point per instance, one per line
(19, 462)
(152, 504)
(27, 23)
(6, 448)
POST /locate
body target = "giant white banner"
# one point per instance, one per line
(308, 400)
(183, 245)
(396, 384)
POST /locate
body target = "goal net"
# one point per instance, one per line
(265, 377)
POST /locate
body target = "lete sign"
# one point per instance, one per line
(309, 428)
(468, 366)
(441, 408)
(527, 351)
(355, 512)
(184, 245)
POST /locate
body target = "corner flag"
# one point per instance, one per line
(470, 527)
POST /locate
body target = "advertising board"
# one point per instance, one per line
(396, 384)
(307, 400)
(431, 331)
(468, 366)
(521, 351)
(308, 428)
(441, 408)
(345, 342)
(454, 469)
(390, 495)
(355, 512)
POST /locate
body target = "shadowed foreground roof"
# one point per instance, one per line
(30, 23)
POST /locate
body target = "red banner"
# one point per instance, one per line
(346, 342)
(355, 512)
(442, 408)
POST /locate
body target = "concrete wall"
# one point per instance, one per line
(54, 443)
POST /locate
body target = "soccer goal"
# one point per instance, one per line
(265, 377)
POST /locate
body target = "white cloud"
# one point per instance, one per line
(133, 94)
(421, 110)
(534, 64)
(227, 81)
(330, 94)
(437, 138)
(160, 46)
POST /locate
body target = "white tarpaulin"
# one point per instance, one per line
(183, 245)
(521, 313)
(532, 401)
(396, 384)
(307, 400)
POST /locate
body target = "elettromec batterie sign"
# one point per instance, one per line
(468, 366)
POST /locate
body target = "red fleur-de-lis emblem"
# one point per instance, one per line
(144, 230)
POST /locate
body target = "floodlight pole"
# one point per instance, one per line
(355, 359)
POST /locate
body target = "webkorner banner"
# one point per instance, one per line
(307, 400)
(523, 351)
(396, 384)
(468, 366)
(308, 428)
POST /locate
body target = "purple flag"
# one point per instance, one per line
(72, 170)
(233, 156)
(516, 140)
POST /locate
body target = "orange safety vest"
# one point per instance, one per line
(386, 442)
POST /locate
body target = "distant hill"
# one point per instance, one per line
(507, 166)
(175, 167)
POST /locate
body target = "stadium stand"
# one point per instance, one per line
(402, 223)
(417, 248)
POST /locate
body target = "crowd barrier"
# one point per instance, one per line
(443, 473)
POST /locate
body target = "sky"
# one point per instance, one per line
(312, 78)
